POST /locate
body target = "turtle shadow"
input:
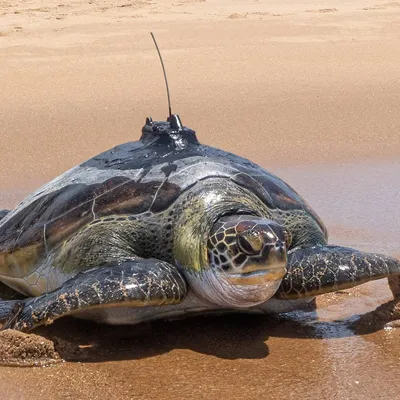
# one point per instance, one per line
(228, 336)
(232, 336)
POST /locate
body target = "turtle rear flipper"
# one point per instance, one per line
(3, 213)
(133, 283)
(7, 293)
(11, 303)
(9, 311)
(322, 269)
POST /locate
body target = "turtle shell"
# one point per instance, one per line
(143, 176)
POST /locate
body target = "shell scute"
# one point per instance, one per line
(57, 215)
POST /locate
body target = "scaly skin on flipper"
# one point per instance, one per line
(134, 283)
(321, 269)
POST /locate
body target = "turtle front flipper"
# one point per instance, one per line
(322, 269)
(133, 283)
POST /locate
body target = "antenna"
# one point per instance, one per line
(165, 75)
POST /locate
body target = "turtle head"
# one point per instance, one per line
(247, 261)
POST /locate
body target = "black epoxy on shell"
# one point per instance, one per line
(161, 142)
(168, 133)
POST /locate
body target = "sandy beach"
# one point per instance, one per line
(308, 89)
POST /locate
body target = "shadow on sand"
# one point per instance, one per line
(230, 336)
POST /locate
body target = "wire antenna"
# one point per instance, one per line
(165, 75)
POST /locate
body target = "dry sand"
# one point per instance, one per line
(308, 89)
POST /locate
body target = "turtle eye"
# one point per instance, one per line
(249, 242)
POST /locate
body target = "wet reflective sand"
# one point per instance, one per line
(309, 91)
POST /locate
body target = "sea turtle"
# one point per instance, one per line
(166, 226)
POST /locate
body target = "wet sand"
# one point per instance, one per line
(310, 90)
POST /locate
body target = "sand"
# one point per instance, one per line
(309, 90)
(21, 349)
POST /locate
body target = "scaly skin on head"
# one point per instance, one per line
(243, 244)
(199, 209)
(245, 265)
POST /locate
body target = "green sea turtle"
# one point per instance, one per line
(166, 226)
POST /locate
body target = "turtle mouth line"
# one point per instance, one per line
(257, 277)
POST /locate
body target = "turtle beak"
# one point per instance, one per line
(271, 266)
